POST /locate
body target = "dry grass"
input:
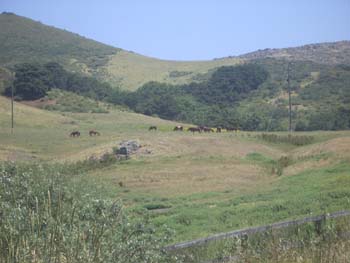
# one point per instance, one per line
(338, 146)
(132, 70)
(189, 172)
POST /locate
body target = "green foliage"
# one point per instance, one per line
(65, 101)
(207, 103)
(34, 80)
(241, 96)
(229, 84)
(51, 214)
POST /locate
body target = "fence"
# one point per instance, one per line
(253, 230)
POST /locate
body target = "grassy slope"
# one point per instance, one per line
(211, 182)
(41, 134)
(131, 70)
(24, 40)
(331, 53)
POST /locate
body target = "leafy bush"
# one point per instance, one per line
(34, 80)
(50, 214)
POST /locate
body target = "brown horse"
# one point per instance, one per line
(231, 129)
(75, 134)
(154, 128)
(178, 128)
(218, 129)
(207, 129)
(93, 133)
(194, 129)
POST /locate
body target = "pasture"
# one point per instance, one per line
(197, 184)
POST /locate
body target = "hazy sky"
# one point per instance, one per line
(194, 29)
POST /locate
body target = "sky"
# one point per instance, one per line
(193, 29)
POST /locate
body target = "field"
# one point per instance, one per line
(197, 184)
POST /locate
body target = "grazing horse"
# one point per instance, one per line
(231, 129)
(178, 128)
(152, 128)
(93, 133)
(74, 134)
(207, 129)
(194, 129)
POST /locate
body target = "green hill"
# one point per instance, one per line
(25, 40)
(320, 79)
(332, 53)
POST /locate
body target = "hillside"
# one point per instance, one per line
(179, 176)
(322, 53)
(320, 77)
(25, 40)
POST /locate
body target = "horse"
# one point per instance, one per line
(93, 133)
(206, 129)
(74, 134)
(152, 128)
(218, 129)
(231, 129)
(178, 128)
(194, 129)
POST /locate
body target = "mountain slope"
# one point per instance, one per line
(25, 40)
(323, 53)
(132, 70)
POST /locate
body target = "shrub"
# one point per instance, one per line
(48, 213)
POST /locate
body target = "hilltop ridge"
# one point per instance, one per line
(25, 40)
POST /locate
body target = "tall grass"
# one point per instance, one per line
(322, 242)
(297, 140)
(48, 213)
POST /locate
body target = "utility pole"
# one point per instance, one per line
(290, 99)
(12, 104)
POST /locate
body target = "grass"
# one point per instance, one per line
(51, 213)
(130, 70)
(65, 101)
(195, 184)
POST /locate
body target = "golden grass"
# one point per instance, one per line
(131, 70)
(169, 163)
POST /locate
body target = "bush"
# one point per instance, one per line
(50, 214)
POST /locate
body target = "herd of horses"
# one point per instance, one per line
(91, 133)
(199, 129)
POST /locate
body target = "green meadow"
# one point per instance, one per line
(196, 184)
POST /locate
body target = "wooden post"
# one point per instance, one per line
(290, 100)
(12, 107)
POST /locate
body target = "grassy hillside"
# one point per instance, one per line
(196, 184)
(332, 53)
(132, 70)
(25, 40)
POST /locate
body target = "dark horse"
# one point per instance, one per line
(178, 128)
(218, 129)
(207, 129)
(75, 134)
(93, 133)
(194, 129)
(154, 128)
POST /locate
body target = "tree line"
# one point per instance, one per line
(233, 96)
